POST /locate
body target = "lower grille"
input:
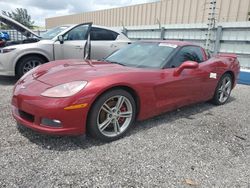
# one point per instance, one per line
(26, 116)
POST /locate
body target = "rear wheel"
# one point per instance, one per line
(112, 115)
(28, 63)
(223, 90)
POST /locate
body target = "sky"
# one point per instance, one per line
(41, 9)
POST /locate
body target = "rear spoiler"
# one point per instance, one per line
(229, 55)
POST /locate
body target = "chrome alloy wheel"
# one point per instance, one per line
(225, 89)
(115, 116)
(30, 65)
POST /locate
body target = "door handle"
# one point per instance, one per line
(113, 46)
(78, 47)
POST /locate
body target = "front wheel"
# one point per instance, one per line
(223, 90)
(27, 63)
(112, 115)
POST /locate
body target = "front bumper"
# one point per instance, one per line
(30, 111)
(7, 64)
(68, 128)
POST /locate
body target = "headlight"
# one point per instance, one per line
(65, 90)
(7, 50)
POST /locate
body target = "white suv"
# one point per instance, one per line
(63, 42)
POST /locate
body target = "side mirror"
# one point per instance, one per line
(60, 39)
(186, 65)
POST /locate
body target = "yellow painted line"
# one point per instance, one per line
(76, 106)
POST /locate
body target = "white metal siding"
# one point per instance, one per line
(164, 11)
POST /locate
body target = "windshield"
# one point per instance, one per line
(143, 54)
(51, 33)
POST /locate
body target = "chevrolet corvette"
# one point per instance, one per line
(105, 97)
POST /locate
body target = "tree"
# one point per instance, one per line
(3, 26)
(21, 15)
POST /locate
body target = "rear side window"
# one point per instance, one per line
(102, 34)
(187, 53)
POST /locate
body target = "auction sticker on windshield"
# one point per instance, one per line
(168, 45)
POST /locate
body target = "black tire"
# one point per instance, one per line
(216, 98)
(22, 65)
(92, 126)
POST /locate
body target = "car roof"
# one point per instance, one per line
(97, 26)
(174, 42)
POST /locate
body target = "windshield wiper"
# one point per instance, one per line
(115, 62)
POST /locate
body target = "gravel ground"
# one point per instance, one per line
(200, 146)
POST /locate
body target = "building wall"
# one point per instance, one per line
(164, 12)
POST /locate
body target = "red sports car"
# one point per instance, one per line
(104, 98)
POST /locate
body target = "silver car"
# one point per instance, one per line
(63, 42)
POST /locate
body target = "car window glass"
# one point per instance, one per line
(143, 55)
(78, 33)
(188, 53)
(51, 33)
(199, 53)
(102, 34)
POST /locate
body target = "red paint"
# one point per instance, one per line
(158, 91)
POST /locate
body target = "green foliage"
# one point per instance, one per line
(21, 15)
(3, 26)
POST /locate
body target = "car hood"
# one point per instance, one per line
(64, 71)
(16, 25)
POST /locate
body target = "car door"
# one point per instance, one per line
(103, 42)
(73, 44)
(186, 88)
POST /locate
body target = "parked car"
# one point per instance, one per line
(4, 36)
(104, 98)
(63, 42)
(2, 43)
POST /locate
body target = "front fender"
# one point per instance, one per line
(146, 101)
(34, 51)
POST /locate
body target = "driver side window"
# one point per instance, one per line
(78, 33)
(187, 53)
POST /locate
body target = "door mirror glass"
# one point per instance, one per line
(186, 65)
(60, 39)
